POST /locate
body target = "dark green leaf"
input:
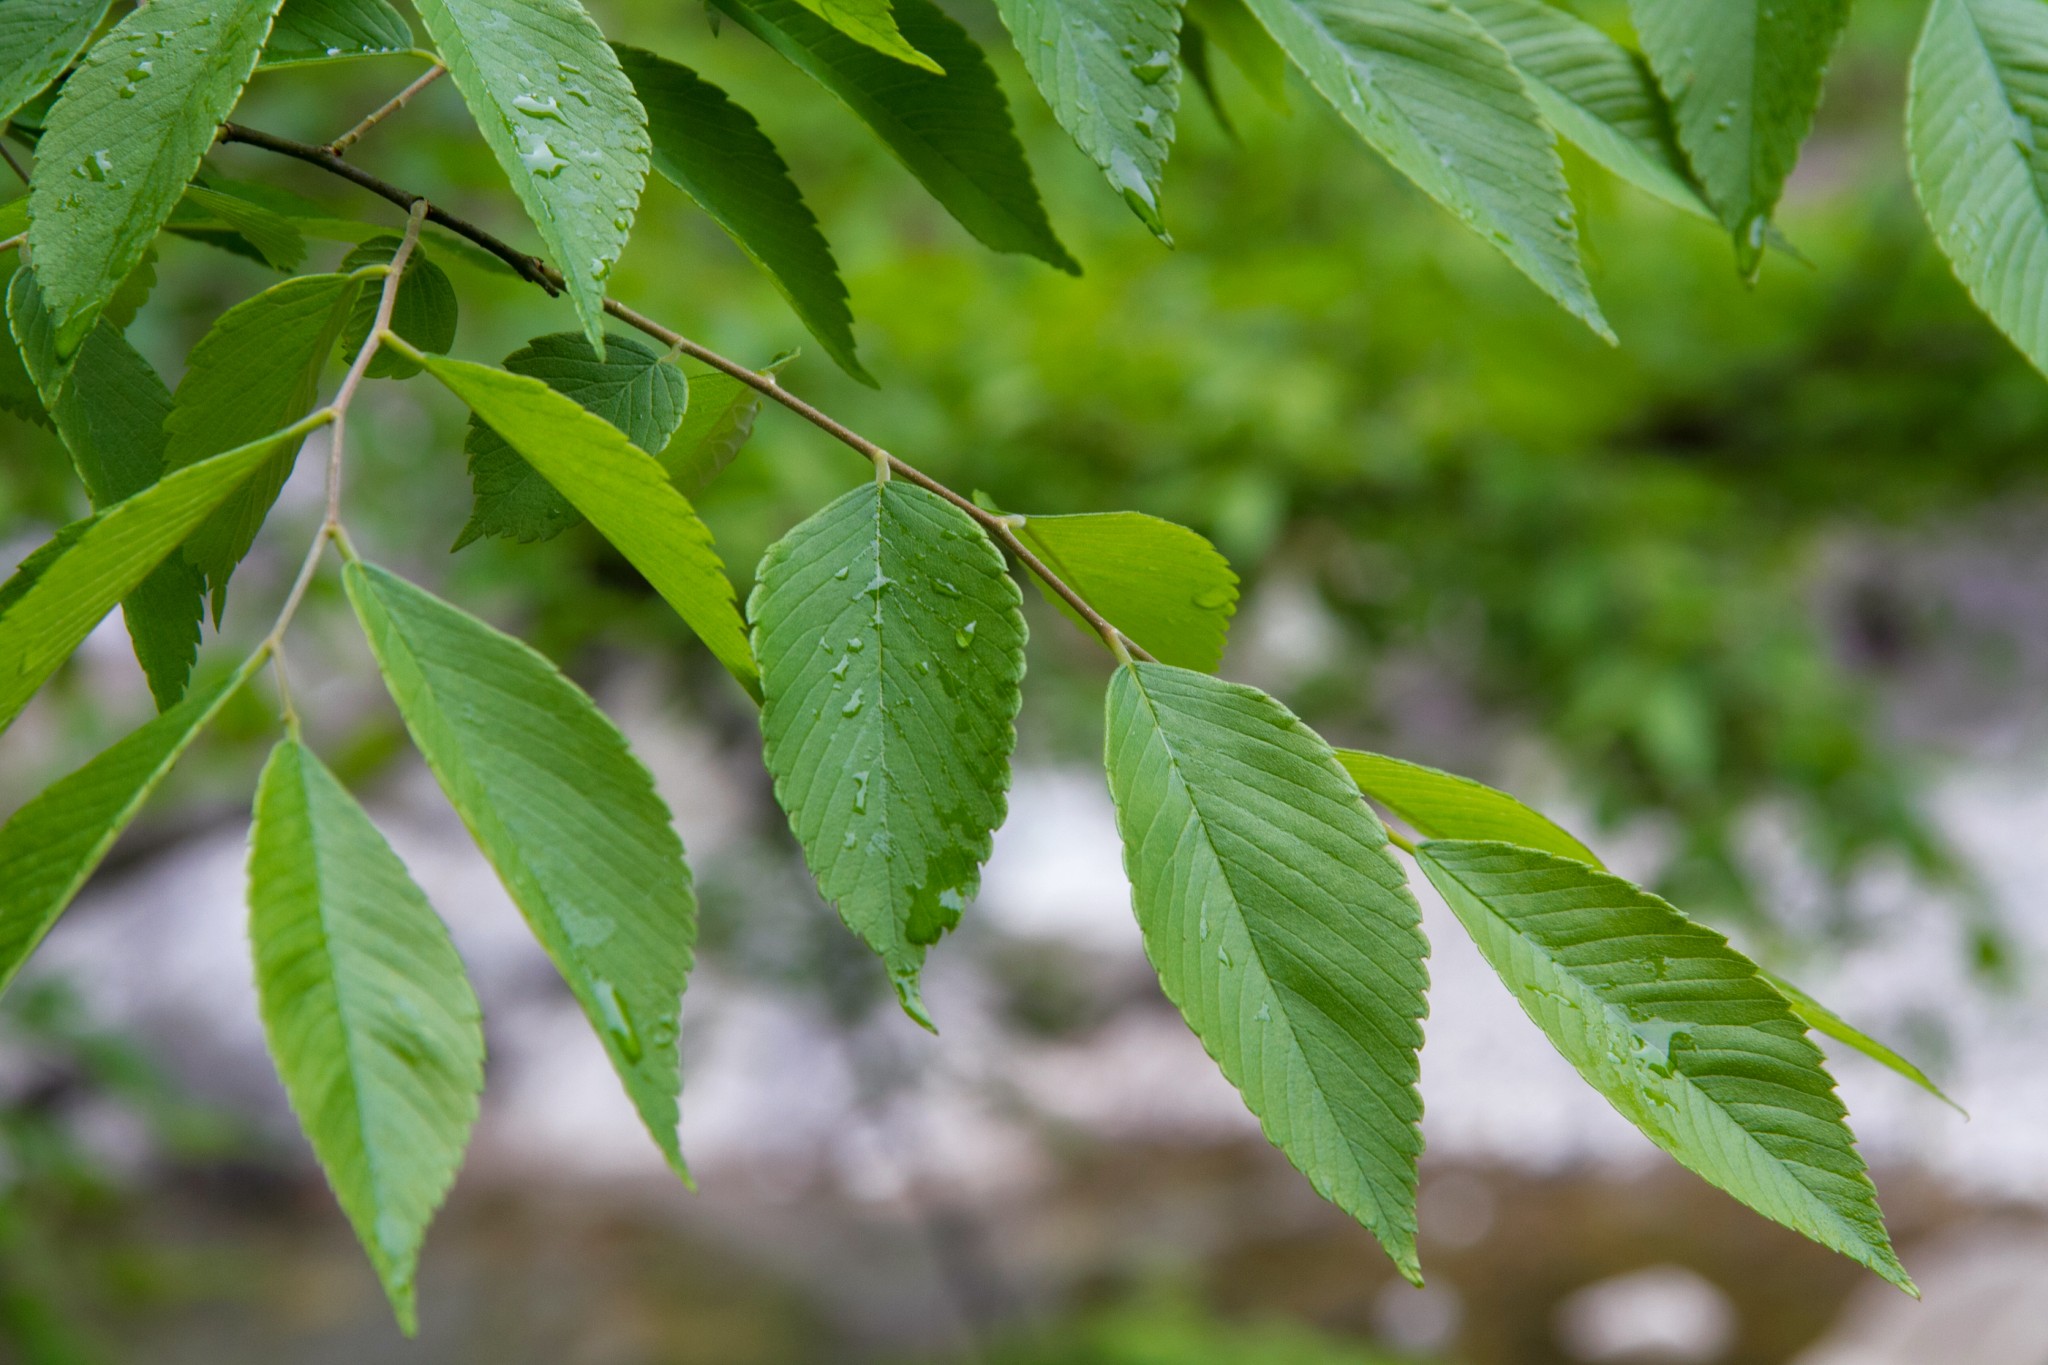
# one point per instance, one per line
(1677, 1030)
(109, 407)
(256, 370)
(1281, 927)
(1441, 805)
(53, 844)
(38, 39)
(1421, 82)
(714, 151)
(131, 127)
(47, 611)
(953, 131)
(564, 812)
(1744, 78)
(560, 116)
(274, 237)
(632, 387)
(314, 31)
(625, 493)
(1110, 69)
(715, 429)
(1161, 584)
(368, 1013)
(891, 649)
(424, 313)
(1234, 28)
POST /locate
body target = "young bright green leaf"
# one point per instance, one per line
(38, 39)
(1281, 927)
(1159, 583)
(49, 609)
(1744, 78)
(633, 387)
(953, 132)
(53, 844)
(425, 312)
(1441, 805)
(369, 1015)
(1110, 69)
(132, 125)
(715, 428)
(624, 492)
(109, 408)
(555, 109)
(256, 370)
(310, 32)
(873, 23)
(1596, 93)
(1232, 26)
(1977, 105)
(892, 649)
(1423, 84)
(1823, 1020)
(714, 152)
(562, 810)
(1677, 1030)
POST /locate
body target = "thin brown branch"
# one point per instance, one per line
(386, 110)
(528, 267)
(539, 272)
(12, 242)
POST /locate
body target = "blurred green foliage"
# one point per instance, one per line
(1614, 550)
(1166, 1330)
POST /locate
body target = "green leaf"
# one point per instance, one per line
(131, 127)
(1110, 69)
(560, 116)
(1425, 86)
(1441, 805)
(425, 312)
(632, 387)
(892, 649)
(872, 23)
(109, 408)
(562, 810)
(1677, 1030)
(38, 39)
(1232, 26)
(274, 237)
(256, 370)
(1159, 583)
(715, 428)
(1977, 103)
(53, 844)
(714, 152)
(623, 490)
(369, 1015)
(953, 132)
(1823, 1020)
(1744, 78)
(1595, 92)
(47, 611)
(1281, 927)
(310, 32)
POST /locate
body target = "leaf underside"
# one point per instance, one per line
(1677, 1030)
(1281, 927)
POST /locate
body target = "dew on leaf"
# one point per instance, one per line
(853, 704)
(617, 1020)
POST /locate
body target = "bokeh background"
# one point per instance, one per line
(1753, 601)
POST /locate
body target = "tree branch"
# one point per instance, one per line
(386, 110)
(537, 271)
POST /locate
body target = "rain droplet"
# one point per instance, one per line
(1265, 1014)
(537, 106)
(542, 161)
(1215, 599)
(839, 669)
(860, 793)
(945, 589)
(964, 637)
(1154, 68)
(617, 1021)
(853, 704)
(843, 572)
(856, 645)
